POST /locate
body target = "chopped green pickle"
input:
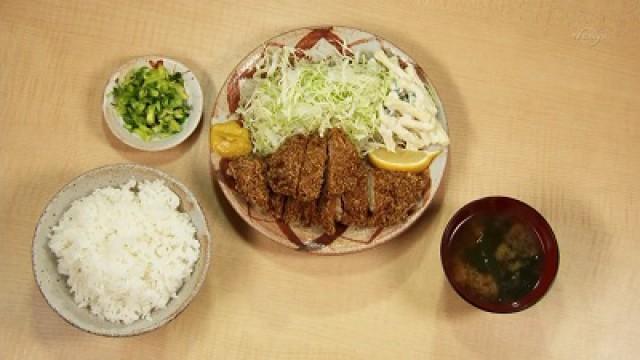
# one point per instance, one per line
(152, 102)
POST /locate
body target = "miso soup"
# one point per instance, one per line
(495, 258)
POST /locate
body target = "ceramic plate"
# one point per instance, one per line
(323, 41)
(116, 124)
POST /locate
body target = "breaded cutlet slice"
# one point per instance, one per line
(312, 172)
(299, 212)
(277, 204)
(327, 212)
(292, 211)
(308, 213)
(249, 173)
(355, 201)
(284, 165)
(342, 163)
(395, 194)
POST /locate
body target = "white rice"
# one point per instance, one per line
(126, 251)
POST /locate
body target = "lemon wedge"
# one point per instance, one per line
(402, 160)
(230, 139)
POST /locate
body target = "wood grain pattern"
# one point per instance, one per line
(542, 101)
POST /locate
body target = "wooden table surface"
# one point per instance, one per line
(542, 99)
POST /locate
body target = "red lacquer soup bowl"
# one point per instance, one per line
(499, 254)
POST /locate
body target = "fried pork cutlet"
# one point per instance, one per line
(312, 172)
(309, 212)
(284, 165)
(355, 201)
(249, 174)
(394, 195)
(342, 163)
(299, 212)
(327, 212)
(292, 211)
(277, 204)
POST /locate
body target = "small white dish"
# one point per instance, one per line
(116, 123)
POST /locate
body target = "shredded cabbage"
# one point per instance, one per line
(376, 102)
(288, 95)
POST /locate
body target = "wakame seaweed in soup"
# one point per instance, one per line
(496, 258)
